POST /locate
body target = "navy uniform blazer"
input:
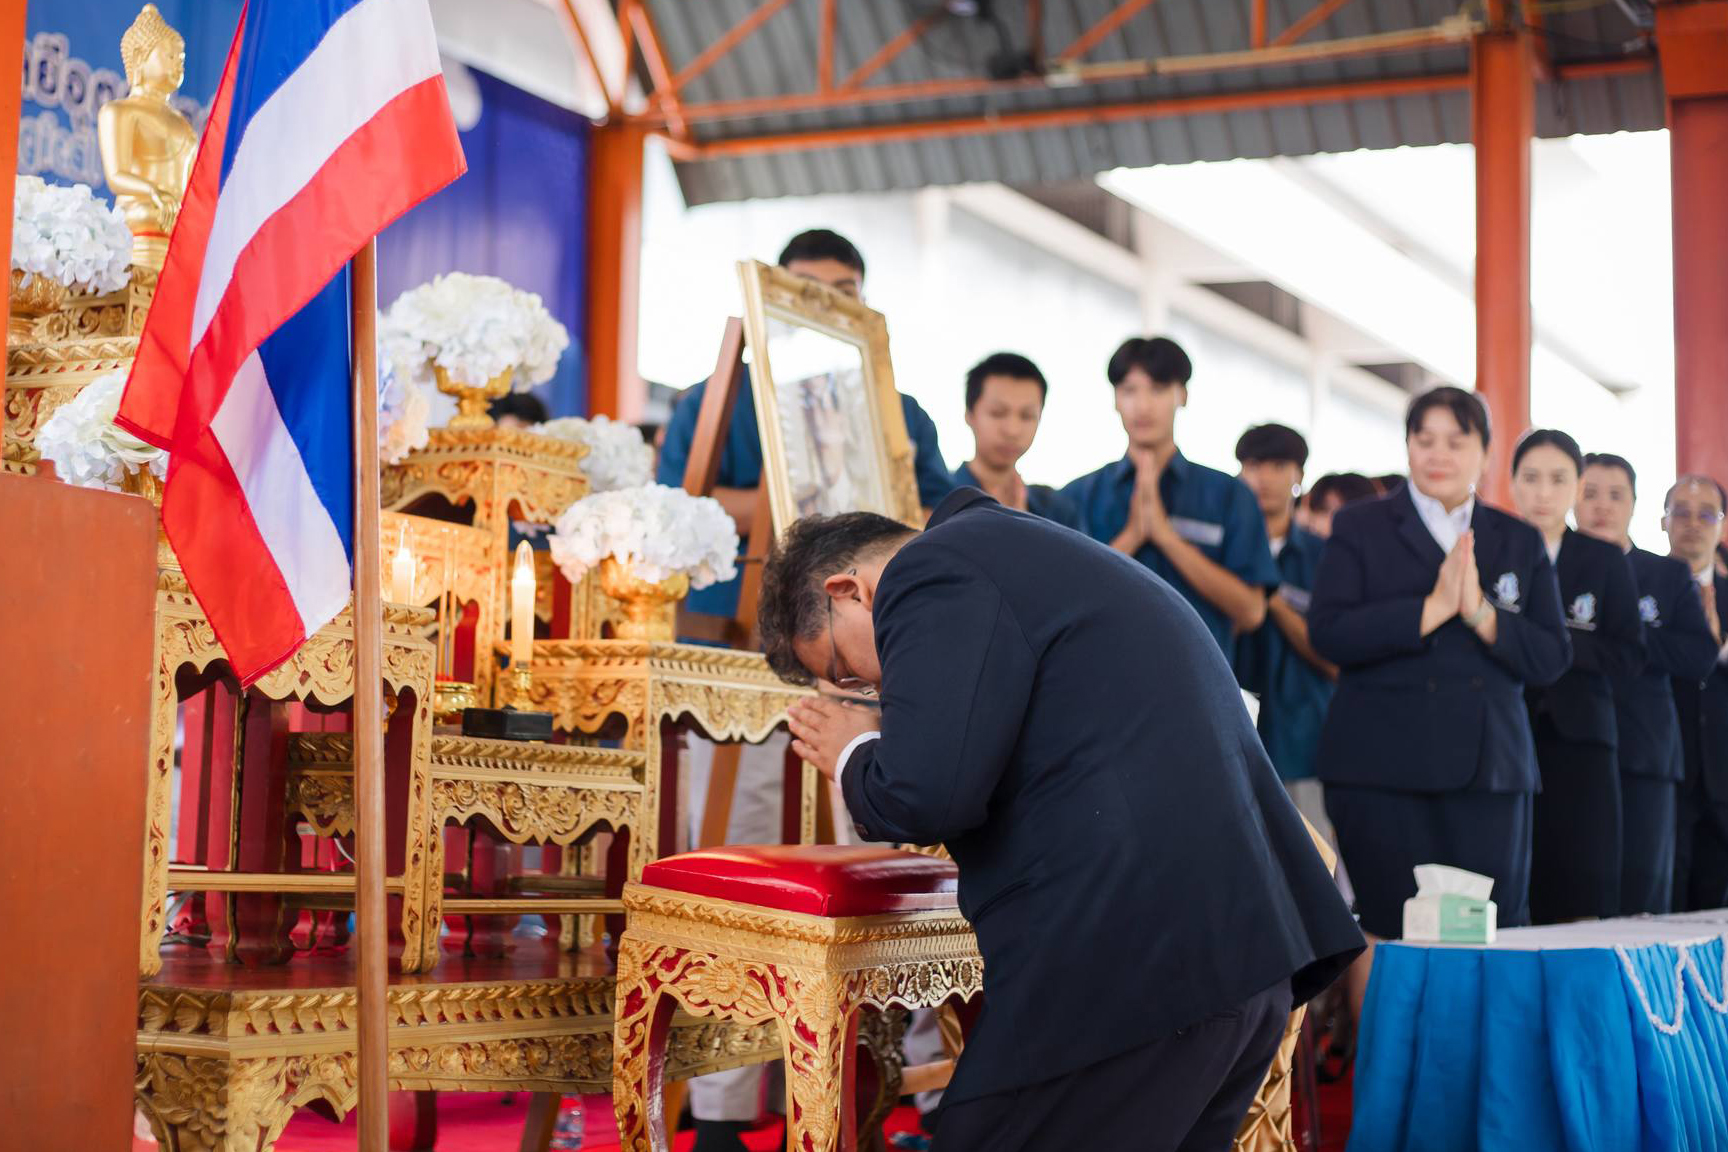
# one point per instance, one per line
(1440, 712)
(1041, 499)
(1703, 710)
(1679, 646)
(1060, 718)
(1293, 693)
(1600, 599)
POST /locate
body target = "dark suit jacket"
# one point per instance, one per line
(1679, 646)
(1441, 712)
(1061, 719)
(1703, 710)
(1600, 599)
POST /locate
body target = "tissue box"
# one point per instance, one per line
(1450, 918)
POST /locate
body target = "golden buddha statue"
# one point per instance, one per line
(147, 145)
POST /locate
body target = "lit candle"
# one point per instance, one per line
(522, 607)
(402, 571)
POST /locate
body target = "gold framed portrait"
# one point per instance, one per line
(833, 432)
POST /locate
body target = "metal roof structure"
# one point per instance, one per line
(793, 97)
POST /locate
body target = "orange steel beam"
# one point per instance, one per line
(626, 36)
(658, 72)
(825, 50)
(1095, 35)
(587, 47)
(891, 49)
(1502, 124)
(1067, 117)
(729, 40)
(1693, 41)
(1257, 24)
(1309, 21)
(1035, 29)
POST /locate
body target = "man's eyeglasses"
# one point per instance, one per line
(1702, 515)
(848, 683)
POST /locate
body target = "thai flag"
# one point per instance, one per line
(331, 121)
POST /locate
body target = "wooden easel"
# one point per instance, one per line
(701, 475)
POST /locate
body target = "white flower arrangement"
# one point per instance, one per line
(403, 408)
(617, 455)
(474, 327)
(656, 532)
(88, 449)
(68, 236)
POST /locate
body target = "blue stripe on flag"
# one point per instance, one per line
(306, 363)
(279, 36)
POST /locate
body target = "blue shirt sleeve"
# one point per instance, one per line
(680, 432)
(934, 479)
(1247, 553)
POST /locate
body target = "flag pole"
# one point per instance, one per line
(371, 940)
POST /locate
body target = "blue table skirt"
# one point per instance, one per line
(1527, 1047)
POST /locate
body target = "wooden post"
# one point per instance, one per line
(371, 944)
(1503, 121)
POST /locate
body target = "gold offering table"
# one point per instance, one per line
(596, 686)
(226, 1054)
(527, 793)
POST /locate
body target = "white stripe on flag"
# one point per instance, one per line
(296, 527)
(375, 52)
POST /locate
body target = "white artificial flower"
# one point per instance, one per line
(69, 236)
(617, 455)
(474, 327)
(403, 407)
(655, 531)
(87, 447)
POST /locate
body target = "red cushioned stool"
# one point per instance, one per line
(802, 935)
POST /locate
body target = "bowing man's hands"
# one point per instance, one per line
(824, 726)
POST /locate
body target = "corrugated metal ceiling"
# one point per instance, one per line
(780, 58)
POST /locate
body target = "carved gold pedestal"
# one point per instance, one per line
(527, 793)
(226, 1054)
(812, 975)
(321, 671)
(727, 694)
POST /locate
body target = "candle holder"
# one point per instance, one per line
(521, 679)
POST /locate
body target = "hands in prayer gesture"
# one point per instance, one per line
(1707, 595)
(1148, 520)
(1458, 591)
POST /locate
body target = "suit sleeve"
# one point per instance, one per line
(934, 479)
(1533, 643)
(1683, 646)
(956, 677)
(1616, 647)
(1346, 624)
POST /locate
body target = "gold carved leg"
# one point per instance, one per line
(819, 1032)
(644, 1018)
(211, 1104)
(645, 837)
(158, 814)
(881, 1035)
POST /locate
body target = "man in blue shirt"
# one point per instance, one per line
(1275, 661)
(832, 259)
(1198, 528)
(1005, 396)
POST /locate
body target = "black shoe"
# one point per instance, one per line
(719, 1136)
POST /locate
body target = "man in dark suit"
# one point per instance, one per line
(1146, 899)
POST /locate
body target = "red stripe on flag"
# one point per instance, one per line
(398, 158)
(227, 564)
(151, 403)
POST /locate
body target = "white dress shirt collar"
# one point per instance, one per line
(1446, 527)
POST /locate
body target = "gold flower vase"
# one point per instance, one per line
(31, 302)
(648, 607)
(471, 401)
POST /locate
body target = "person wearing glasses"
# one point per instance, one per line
(1576, 856)
(1677, 644)
(1692, 517)
(1098, 804)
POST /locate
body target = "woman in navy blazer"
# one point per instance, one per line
(1576, 838)
(1438, 611)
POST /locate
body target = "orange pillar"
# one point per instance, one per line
(614, 269)
(1503, 120)
(1692, 41)
(11, 104)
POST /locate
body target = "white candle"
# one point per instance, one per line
(402, 572)
(522, 607)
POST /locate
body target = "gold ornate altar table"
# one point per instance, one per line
(528, 793)
(591, 685)
(320, 671)
(226, 1054)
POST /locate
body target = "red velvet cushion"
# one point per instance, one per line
(819, 879)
